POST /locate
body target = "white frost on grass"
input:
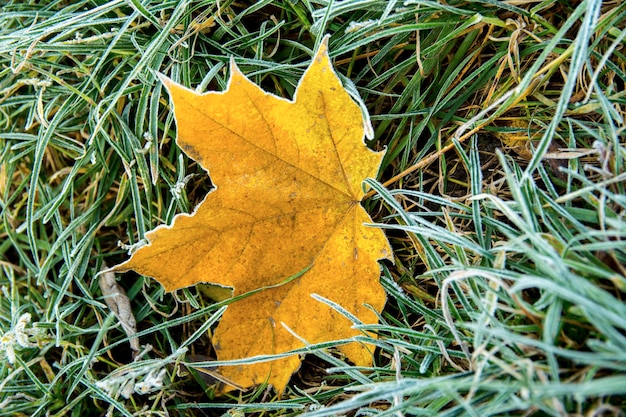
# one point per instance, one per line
(21, 336)
(178, 188)
(140, 377)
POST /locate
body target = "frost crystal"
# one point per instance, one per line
(142, 377)
(21, 337)
(178, 188)
(152, 381)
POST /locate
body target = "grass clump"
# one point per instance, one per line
(502, 193)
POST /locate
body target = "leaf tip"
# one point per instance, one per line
(117, 269)
(165, 80)
(322, 49)
(235, 72)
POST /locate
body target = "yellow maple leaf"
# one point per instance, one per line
(289, 184)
